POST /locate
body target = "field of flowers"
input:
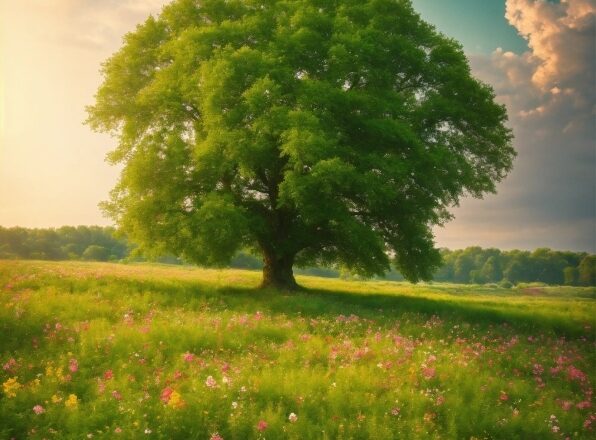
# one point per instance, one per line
(109, 351)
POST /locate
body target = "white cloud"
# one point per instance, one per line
(550, 96)
(560, 36)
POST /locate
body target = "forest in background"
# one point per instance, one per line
(473, 265)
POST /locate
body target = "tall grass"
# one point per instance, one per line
(146, 351)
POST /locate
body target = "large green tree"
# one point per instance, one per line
(314, 131)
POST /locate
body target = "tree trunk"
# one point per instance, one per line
(277, 272)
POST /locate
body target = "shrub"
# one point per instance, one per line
(505, 284)
(96, 253)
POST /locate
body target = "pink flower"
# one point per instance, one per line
(73, 365)
(210, 382)
(395, 411)
(293, 418)
(10, 364)
(503, 397)
(428, 372)
(576, 374)
(555, 370)
(583, 405)
(216, 436)
(188, 357)
(38, 409)
(118, 430)
(440, 400)
(108, 375)
(262, 425)
(537, 369)
(116, 395)
(566, 405)
(166, 394)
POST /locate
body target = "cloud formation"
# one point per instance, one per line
(560, 37)
(549, 93)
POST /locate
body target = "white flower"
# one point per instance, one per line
(292, 418)
(234, 405)
(210, 382)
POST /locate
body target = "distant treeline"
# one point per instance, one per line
(66, 243)
(471, 265)
(479, 266)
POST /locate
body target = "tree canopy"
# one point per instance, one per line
(315, 131)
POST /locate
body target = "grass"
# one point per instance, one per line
(108, 351)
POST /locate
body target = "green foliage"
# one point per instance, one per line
(352, 360)
(326, 133)
(64, 243)
(505, 284)
(587, 271)
(477, 265)
(491, 270)
(570, 275)
(96, 253)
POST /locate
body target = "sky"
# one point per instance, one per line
(537, 55)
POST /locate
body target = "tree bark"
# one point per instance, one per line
(278, 273)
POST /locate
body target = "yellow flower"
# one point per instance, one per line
(56, 398)
(175, 400)
(72, 401)
(59, 374)
(11, 386)
(49, 371)
(35, 383)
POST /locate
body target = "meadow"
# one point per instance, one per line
(104, 351)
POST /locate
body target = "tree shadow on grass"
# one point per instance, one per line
(391, 307)
(385, 309)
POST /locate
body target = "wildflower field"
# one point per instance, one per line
(114, 351)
